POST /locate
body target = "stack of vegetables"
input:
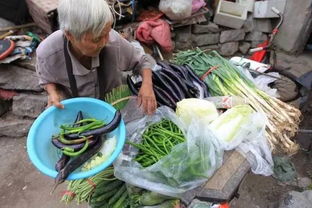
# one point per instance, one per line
(157, 141)
(225, 79)
(173, 83)
(101, 190)
(79, 142)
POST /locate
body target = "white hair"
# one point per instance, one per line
(81, 16)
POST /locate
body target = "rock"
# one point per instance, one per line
(183, 34)
(14, 127)
(205, 39)
(17, 78)
(209, 47)
(228, 49)
(4, 106)
(209, 28)
(263, 25)
(244, 47)
(183, 38)
(232, 35)
(304, 182)
(182, 45)
(260, 25)
(255, 44)
(5, 23)
(256, 36)
(249, 24)
(29, 105)
(294, 199)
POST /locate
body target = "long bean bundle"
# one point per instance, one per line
(157, 141)
(82, 189)
(223, 78)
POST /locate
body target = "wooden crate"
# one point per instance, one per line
(44, 14)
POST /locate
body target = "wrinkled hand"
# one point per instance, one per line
(147, 99)
(54, 96)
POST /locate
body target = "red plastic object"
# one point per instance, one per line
(224, 205)
(259, 55)
(6, 48)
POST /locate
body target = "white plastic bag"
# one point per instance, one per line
(176, 9)
(187, 166)
(256, 149)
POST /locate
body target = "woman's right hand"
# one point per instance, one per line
(54, 96)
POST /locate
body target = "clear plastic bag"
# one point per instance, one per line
(255, 147)
(176, 9)
(187, 166)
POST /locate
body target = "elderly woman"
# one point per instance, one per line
(86, 56)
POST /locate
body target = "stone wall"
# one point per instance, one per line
(226, 41)
(22, 100)
(292, 36)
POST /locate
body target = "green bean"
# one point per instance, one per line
(84, 148)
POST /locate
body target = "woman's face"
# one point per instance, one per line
(89, 45)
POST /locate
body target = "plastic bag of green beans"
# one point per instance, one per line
(166, 156)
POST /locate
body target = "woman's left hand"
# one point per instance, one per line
(146, 98)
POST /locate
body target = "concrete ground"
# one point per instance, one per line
(23, 186)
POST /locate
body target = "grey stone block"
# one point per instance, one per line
(254, 44)
(244, 47)
(210, 47)
(232, 35)
(17, 78)
(229, 49)
(182, 45)
(209, 28)
(14, 127)
(183, 34)
(29, 105)
(296, 28)
(4, 106)
(263, 25)
(205, 39)
(256, 36)
(249, 24)
(5, 23)
(294, 199)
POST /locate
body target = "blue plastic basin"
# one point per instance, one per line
(40, 149)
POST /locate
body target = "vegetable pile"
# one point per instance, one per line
(225, 79)
(157, 141)
(79, 142)
(173, 83)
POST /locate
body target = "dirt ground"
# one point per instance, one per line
(22, 186)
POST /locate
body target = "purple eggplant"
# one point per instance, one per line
(196, 78)
(163, 84)
(163, 97)
(78, 118)
(179, 81)
(61, 162)
(177, 90)
(76, 147)
(76, 162)
(99, 131)
(132, 86)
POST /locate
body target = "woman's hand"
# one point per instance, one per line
(54, 96)
(147, 99)
(146, 96)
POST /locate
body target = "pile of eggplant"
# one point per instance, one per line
(79, 142)
(173, 83)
